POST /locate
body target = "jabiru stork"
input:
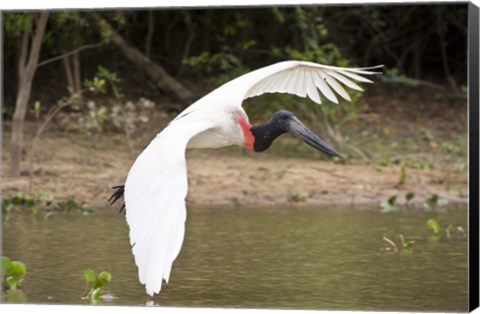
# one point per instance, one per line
(156, 185)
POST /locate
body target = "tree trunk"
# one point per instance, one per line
(77, 74)
(26, 70)
(153, 71)
(149, 37)
(68, 72)
(71, 65)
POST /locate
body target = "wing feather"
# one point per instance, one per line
(283, 82)
(155, 192)
(345, 80)
(355, 76)
(312, 88)
(300, 78)
(337, 87)
(270, 84)
(286, 78)
(324, 88)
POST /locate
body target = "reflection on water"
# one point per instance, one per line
(285, 258)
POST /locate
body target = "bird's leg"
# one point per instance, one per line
(120, 190)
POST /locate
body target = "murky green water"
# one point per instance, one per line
(288, 258)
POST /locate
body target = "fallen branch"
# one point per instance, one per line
(156, 73)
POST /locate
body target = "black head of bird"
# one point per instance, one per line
(284, 121)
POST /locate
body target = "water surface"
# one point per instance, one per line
(282, 258)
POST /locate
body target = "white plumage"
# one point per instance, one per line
(156, 185)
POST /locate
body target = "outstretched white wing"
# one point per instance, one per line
(302, 79)
(155, 192)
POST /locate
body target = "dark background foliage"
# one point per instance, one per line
(204, 47)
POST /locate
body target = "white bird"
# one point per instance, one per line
(156, 185)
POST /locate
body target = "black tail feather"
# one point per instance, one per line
(120, 190)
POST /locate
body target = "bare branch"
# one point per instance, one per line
(88, 46)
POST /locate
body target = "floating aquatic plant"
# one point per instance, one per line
(13, 273)
(96, 284)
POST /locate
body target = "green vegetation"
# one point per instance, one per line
(408, 198)
(406, 246)
(432, 202)
(13, 273)
(448, 232)
(433, 224)
(40, 201)
(389, 205)
(96, 284)
(297, 196)
(438, 233)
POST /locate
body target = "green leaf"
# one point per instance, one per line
(16, 23)
(13, 272)
(431, 201)
(89, 275)
(18, 270)
(392, 200)
(12, 283)
(96, 293)
(97, 85)
(387, 207)
(70, 205)
(7, 205)
(409, 196)
(17, 200)
(105, 277)
(104, 73)
(30, 203)
(434, 225)
(6, 265)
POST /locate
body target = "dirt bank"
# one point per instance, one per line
(84, 169)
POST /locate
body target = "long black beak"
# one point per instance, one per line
(300, 131)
